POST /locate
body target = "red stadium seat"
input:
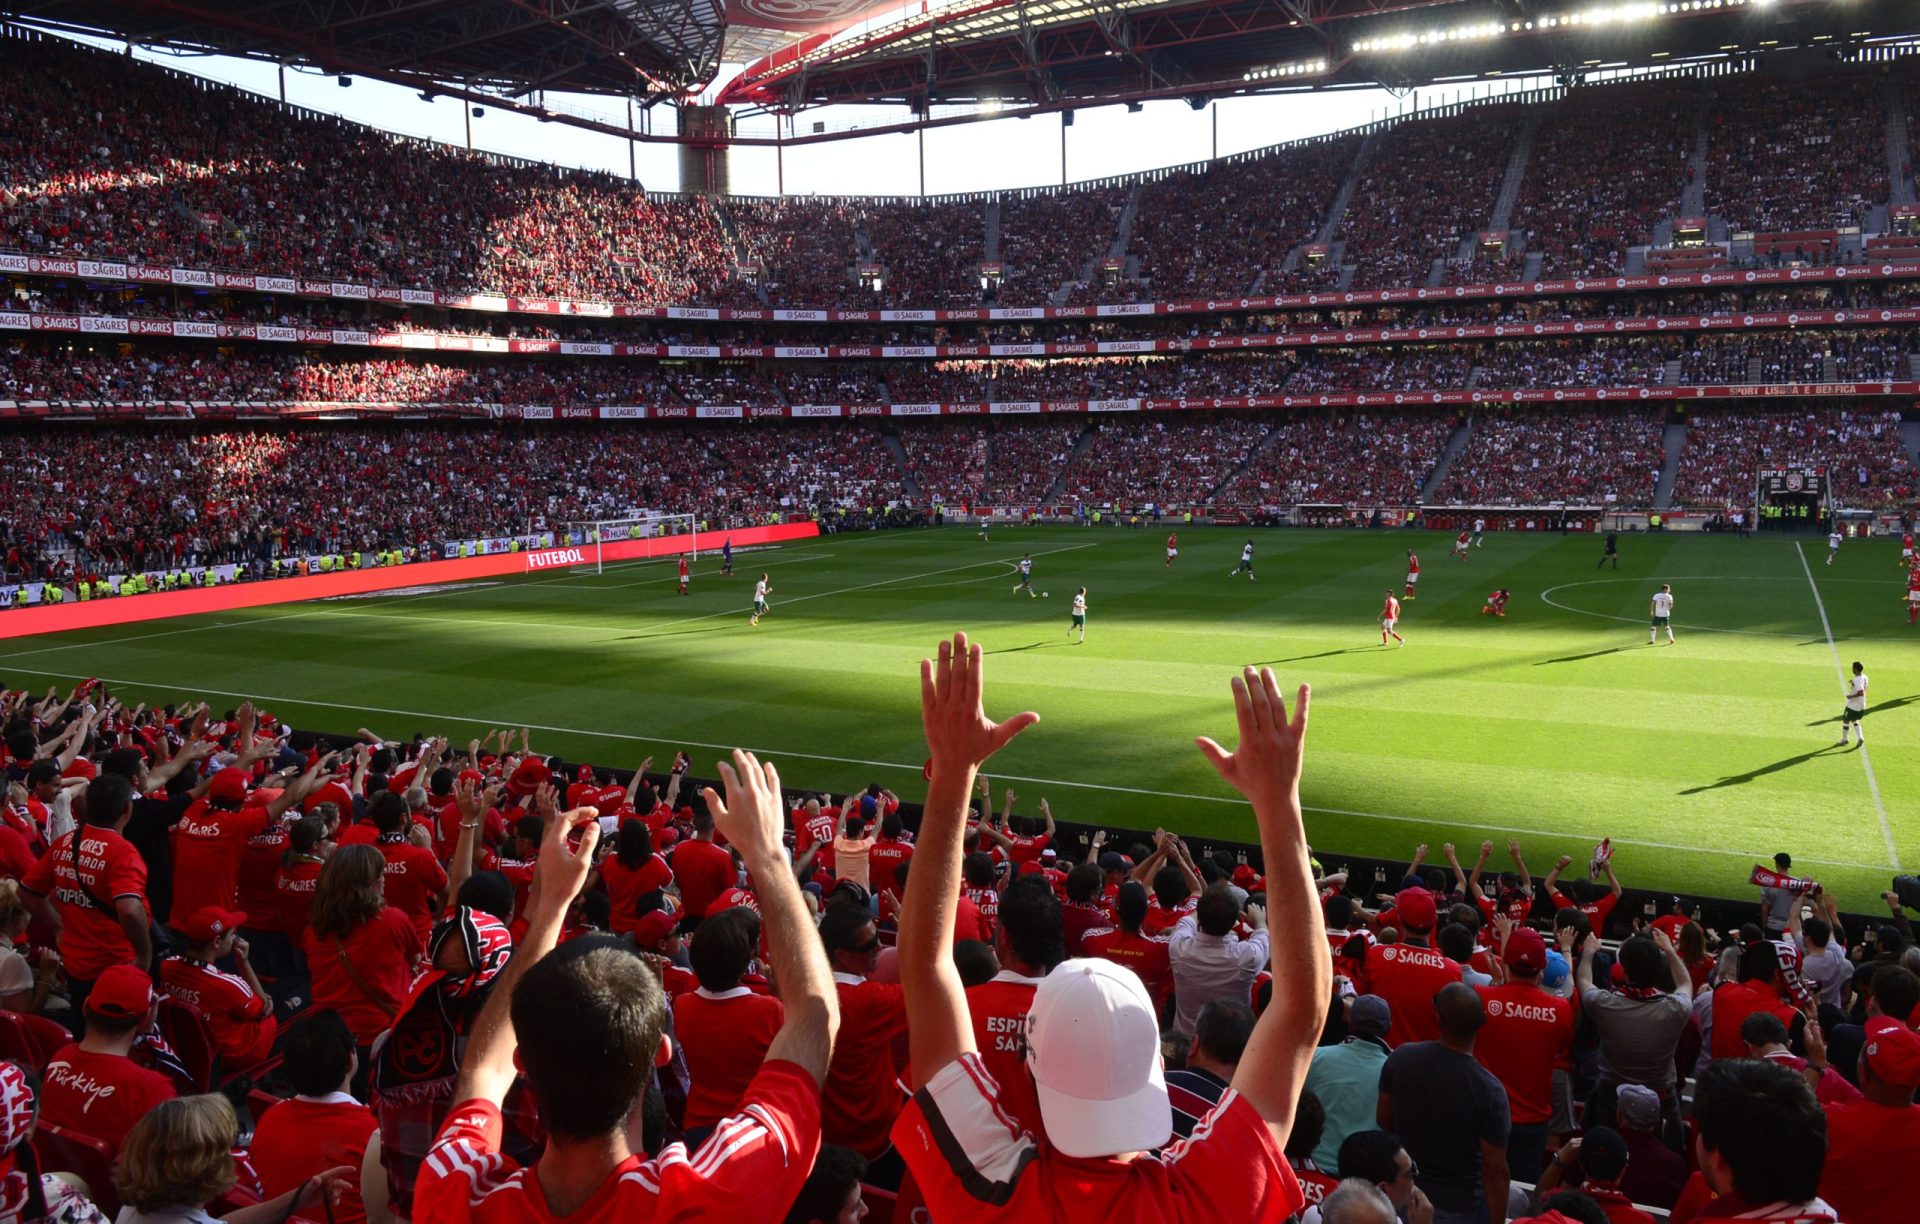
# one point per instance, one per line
(188, 1031)
(89, 1160)
(31, 1040)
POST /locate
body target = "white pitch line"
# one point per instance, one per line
(915, 769)
(141, 637)
(1873, 784)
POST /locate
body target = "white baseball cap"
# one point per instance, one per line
(1093, 1045)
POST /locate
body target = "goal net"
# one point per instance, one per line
(637, 536)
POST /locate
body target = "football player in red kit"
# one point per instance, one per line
(1413, 573)
(683, 575)
(1496, 603)
(1389, 617)
(1173, 547)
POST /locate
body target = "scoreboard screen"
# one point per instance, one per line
(1793, 481)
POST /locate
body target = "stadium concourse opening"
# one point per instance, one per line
(1446, 802)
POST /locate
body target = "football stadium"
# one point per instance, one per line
(551, 669)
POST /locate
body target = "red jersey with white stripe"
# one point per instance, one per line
(1391, 609)
(750, 1168)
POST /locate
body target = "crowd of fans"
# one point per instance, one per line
(205, 176)
(165, 498)
(1255, 211)
(1162, 463)
(1324, 457)
(1532, 457)
(1790, 156)
(497, 985)
(1599, 178)
(1048, 239)
(1427, 185)
(1861, 448)
(1582, 363)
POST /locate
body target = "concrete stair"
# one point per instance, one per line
(1455, 444)
(1259, 448)
(1117, 249)
(1058, 488)
(1670, 373)
(1910, 435)
(1897, 143)
(1674, 438)
(908, 484)
(990, 246)
(1336, 211)
(1503, 204)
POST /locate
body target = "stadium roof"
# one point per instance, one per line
(1058, 53)
(631, 48)
(980, 56)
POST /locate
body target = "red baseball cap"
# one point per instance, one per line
(1893, 1052)
(228, 786)
(653, 927)
(529, 776)
(1414, 909)
(1526, 951)
(1246, 877)
(122, 992)
(209, 923)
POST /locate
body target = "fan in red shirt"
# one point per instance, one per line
(887, 855)
(93, 886)
(1672, 923)
(321, 1127)
(210, 840)
(1409, 973)
(1127, 943)
(590, 995)
(236, 1006)
(815, 825)
(631, 872)
(1588, 897)
(299, 870)
(1029, 943)
(361, 951)
(1528, 1033)
(702, 869)
(94, 1088)
(1093, 1036)
(1755, 988)
(416, 882)
(1858, 1179)
(862, 1096)
(724, 1027)
(1084, 911)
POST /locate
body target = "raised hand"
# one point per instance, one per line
(562, 868)
(959, 734)
(752, 816)
(1266, 765)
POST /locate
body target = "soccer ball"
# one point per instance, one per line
(1046, 594)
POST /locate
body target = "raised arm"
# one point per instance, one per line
(753, 819)
(1520, 865)
(1552, 881)
(1613, 881)
(960, 738)
(1046, 814)
(1453, 864)
(1479, 866)
(1266, 769)
(487, 1071)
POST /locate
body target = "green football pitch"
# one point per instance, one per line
(1557, 723)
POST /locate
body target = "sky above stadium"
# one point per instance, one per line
(996, 155)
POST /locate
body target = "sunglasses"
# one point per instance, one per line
(872, 945)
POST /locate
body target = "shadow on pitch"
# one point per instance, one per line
(1741, 779)
(1591, 654)
(640, 637)
(1895, 704)
(1325, 654)
(1048, 644)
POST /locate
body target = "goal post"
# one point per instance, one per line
(640, 535)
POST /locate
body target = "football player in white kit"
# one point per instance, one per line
(1662, 614)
